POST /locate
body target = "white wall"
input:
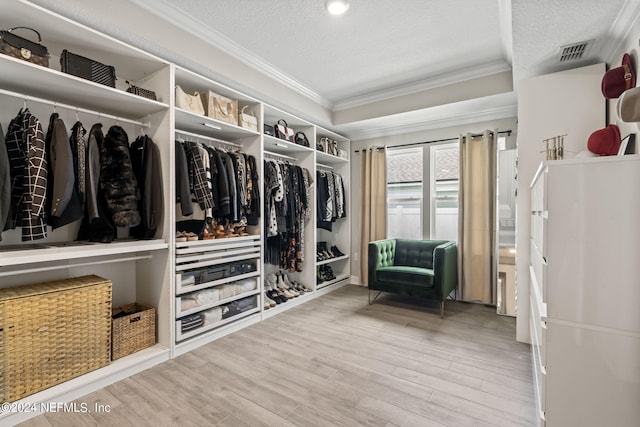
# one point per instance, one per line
(408, 138)
(569, 102)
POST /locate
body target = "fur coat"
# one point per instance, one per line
(117, 179)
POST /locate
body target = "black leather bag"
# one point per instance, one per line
(301, 139)
(86, 68)
(269, 130)
(13, 45)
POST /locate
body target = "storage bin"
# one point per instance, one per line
(52, 332)
(134, 329)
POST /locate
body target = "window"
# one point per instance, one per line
(404, 193)
(444, 189)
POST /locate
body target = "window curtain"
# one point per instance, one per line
(477, 261)
(373, 203)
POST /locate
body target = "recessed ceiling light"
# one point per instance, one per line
(337, 7)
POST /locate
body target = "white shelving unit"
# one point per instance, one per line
(150, 271)
(138, 269)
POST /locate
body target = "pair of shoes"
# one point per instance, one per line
(293, 285)
(186, 236)
(272, 290)
(268, 302)
(284, 288)
(325, 273)
(322, 253)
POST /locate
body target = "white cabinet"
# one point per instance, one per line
(585, 325)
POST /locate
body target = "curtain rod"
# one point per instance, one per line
(508, 132)
(72, 108)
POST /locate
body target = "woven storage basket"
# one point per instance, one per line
(51, 332)
(133, 332)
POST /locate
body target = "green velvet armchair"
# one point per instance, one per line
(418, 268)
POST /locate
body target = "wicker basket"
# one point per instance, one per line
(134, 331)
(52, 332)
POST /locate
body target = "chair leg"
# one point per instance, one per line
(442, 309)
(371, 301)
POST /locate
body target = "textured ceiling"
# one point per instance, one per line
(380, 50)
(376, 45)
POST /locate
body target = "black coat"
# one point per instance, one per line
(117, 179)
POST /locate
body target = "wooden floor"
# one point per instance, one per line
(336, 361)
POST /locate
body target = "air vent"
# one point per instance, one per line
(574, 52)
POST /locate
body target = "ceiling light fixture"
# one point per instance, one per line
(336, 7)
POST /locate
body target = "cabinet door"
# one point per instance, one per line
(593, 377)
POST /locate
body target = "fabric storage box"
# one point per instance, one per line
(52, 332)
(220, 107)
(134, 329)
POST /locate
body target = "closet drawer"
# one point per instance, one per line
(539, 328)
(538, 193)
(214, 296)
(216, 274)
(539, 382)
(539, 272)
(539, 232)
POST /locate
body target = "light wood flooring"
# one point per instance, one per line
(336, 361)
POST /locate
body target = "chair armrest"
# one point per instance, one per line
(381, 254)
(445, 268)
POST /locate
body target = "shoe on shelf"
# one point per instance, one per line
(268, 301)
(181, 236)
(336, 252)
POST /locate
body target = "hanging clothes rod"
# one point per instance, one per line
(283, 156)
(321, 166)
(72, 265)
(72, 108)
(208, 138)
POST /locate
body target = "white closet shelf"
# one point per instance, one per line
(329, 158)
(182, 290)
(281, 146)
(217, 244)
(46, 252)
(207, 126)
(30, 79)
(330, 260)
(339, 278)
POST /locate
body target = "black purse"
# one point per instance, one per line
(301, 139)
(145, 93)
(21, 48)
(86, 68)
(269, 130)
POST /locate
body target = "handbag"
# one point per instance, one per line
(86, 68)
(221, 108)
(248, 120)
(21, 48)
(269, 130)
(328, 146)
(191, 103)
(283, 131)
(145, 93)
(301, 139)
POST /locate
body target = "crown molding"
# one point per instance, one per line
(164, 8)
(441, 80)
(459, 119)
(624, 23)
